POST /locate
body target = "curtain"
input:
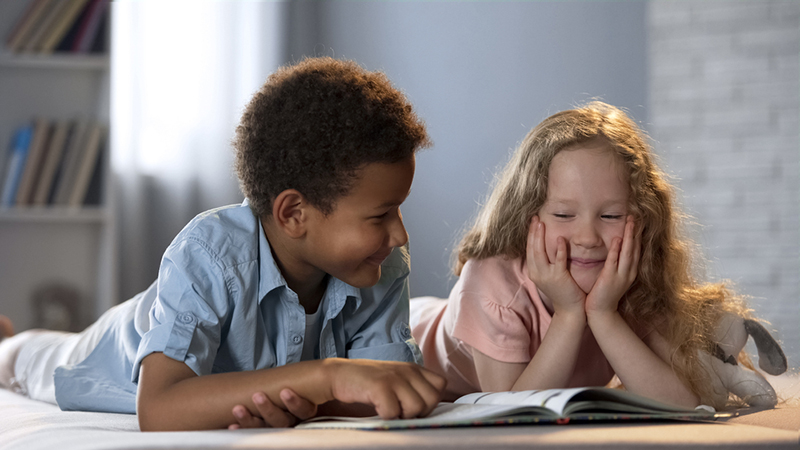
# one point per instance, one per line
(181, 73)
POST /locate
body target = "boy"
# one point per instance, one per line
(268, 297)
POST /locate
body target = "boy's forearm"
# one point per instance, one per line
(206, 402)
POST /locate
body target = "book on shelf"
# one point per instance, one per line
(68, 166)
(88, 161)
(45, 24)
(91, 31)
(551, 406)
(26, 25)
(70, 37)
(67, 26)
(33, 163)
(52, 159)
(95, 192)
(61, 26)
(17, 154)
(54, 164)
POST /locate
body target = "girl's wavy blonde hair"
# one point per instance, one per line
(666, 294)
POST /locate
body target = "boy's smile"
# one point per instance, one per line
(351, 242)
(587, 205)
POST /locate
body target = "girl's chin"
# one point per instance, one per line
(584, 282)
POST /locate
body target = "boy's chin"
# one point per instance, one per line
(364, 277)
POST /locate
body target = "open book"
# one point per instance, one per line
(529, 407)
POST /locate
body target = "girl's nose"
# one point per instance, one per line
(587, 235)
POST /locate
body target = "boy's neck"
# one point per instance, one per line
(308, 282)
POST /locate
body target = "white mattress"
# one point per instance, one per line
(31, 425)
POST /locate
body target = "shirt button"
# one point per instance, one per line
(405, 332)
(297, 339)
(186, 317)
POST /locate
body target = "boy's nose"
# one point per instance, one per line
(397, 232)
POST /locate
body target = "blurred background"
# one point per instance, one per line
(715, 84)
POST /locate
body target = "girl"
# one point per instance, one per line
(574, 271)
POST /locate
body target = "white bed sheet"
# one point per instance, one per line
(27, 424)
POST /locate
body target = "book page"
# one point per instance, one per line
(552, 399)
(446, 414)
(595, 398)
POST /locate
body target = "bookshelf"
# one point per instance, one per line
(52, 245)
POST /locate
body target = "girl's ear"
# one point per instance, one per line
(290, 213)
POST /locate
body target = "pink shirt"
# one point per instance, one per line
(493, 308)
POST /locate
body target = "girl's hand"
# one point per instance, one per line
(269, 415)
(553, 279)
(619, 272)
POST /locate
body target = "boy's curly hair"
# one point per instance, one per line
(314, 124)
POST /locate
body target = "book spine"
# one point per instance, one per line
(19, 152)
(26, 25)
(88, 24)
(70, 37)
(62, 25)
(33, 164)
(51, 163)
(69, 164)
(54, 10)
(87, 164)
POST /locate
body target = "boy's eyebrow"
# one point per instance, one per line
(388, 204)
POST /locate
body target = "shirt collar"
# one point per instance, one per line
(340, 293)
(271, 278)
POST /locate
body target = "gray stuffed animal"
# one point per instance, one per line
(731, 377)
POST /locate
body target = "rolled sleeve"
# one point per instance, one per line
(191, 304)
(405, 352)
(387, 335)
(402, 347)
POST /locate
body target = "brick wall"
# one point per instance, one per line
(724, 95)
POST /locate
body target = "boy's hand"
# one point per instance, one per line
(553, 279)
(269, 415)
(395, 389)
(619, 272)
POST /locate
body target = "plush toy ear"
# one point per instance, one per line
(771, 358)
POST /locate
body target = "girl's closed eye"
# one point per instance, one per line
(563, 215)
(613, 216)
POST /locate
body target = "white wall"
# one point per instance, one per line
(480, 75)
(724, 103)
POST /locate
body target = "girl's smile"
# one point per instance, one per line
(586, 263)
(587, 206)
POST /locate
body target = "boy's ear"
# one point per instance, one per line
(289, 210)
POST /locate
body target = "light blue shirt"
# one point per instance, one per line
(220, 304)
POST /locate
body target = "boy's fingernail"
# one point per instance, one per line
(259, 398)
(238, 413)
